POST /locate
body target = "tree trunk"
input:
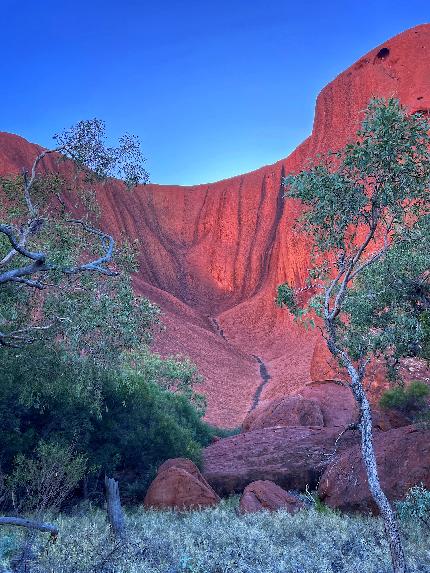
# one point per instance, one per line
(114, 509)
(369, 459)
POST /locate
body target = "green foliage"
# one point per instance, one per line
(411, 400)
(45, 247)
(9, 546)
(120, 419)
(285, 297)
(89, 378)
(424, 319)
(367, 209)
(416, 506)
(43, 481)
(176, 374)
(85, 144)
(388, 305)
(387, 168)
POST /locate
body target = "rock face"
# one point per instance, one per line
(403, 457)
(288, 411)
(179, 485)
(291, 457)
(266, 495)
(212, 255)
(319, 404)
(336, 402)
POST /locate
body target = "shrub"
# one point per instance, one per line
(217, 540)
(416, 505)
(121, 421)
(410, 400)
(44, 481)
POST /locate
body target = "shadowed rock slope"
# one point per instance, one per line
(212, 255)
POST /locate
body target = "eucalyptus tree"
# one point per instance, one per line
(366, 208)
(59, 272)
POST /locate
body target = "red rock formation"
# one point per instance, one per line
(288, 411)
(179, 485)
(212, 255)
(266, 495)
(403, 458)
(293, 457)
(183, 464)
(324, 404)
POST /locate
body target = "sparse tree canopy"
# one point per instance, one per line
(50, 241)
(367, 209)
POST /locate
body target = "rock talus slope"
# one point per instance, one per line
(212, 255)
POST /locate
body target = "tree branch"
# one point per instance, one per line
(31, 524)
(108, 243)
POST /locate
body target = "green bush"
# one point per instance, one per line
(409, 400)
(44, 481)
(121, 421)
(416, 506)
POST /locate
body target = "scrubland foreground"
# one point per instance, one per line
(220, 541)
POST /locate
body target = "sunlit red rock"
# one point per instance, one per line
(212, 255)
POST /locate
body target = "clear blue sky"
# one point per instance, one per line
(212, 88)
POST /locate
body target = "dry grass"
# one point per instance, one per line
(219, 541)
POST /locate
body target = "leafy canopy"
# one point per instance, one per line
(367, 210)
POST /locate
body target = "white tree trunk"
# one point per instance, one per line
(369, 459)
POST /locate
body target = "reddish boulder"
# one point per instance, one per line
(288, 411)
(403, 457)
(336, 402)
(292, 457)
(179, 486)
(183, 464)
(266, 495)
(338, 407)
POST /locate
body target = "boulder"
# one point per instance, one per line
(403, 457)
(292, 457)
(288, 411)
(183, 464)
(179, 485)
(336, 402)
(339, 409)
(266, 495)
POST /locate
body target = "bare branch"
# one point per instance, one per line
(29, 282)
(21, 337)
(33, 255)
(31, 524)
(28, 183)
(108, 243)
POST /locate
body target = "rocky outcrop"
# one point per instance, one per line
(293, 457)
(179, 485)
(288, 411)
(319, 404)
(220, 250)
(265, 495)
(336, 402)
(403, 457)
